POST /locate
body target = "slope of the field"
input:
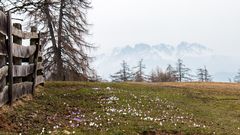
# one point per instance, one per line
(127, 108)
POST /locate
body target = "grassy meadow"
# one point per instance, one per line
(126, 108)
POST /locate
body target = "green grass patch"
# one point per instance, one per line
(124, 108)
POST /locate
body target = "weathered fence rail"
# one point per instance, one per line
(21, 67)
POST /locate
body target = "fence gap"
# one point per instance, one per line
(17, 60)
(10, 58)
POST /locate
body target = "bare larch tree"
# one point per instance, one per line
(200, 74)
(182, 73)
(237, 77)
(171, 73)
(123, 75)
(203, 75)
(139, 75)
(65, 25)
(158, 75)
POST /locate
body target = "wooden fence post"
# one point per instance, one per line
(10, 58)
(3, 54)
(35, 41)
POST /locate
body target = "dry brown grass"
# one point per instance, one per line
(228, 88)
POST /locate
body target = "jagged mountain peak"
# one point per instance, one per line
(192, 48)
(182, 49)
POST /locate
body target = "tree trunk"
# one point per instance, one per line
(57, 50)
(60, 70)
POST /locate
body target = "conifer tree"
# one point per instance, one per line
(123, 75)
(139, 75)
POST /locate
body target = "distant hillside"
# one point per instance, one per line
(194, 55)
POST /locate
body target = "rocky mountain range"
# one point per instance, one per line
(194, 56)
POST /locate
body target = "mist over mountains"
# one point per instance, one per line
(194, 56)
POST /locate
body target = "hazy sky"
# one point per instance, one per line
(213, 23)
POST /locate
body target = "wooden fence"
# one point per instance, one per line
(21, 67)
